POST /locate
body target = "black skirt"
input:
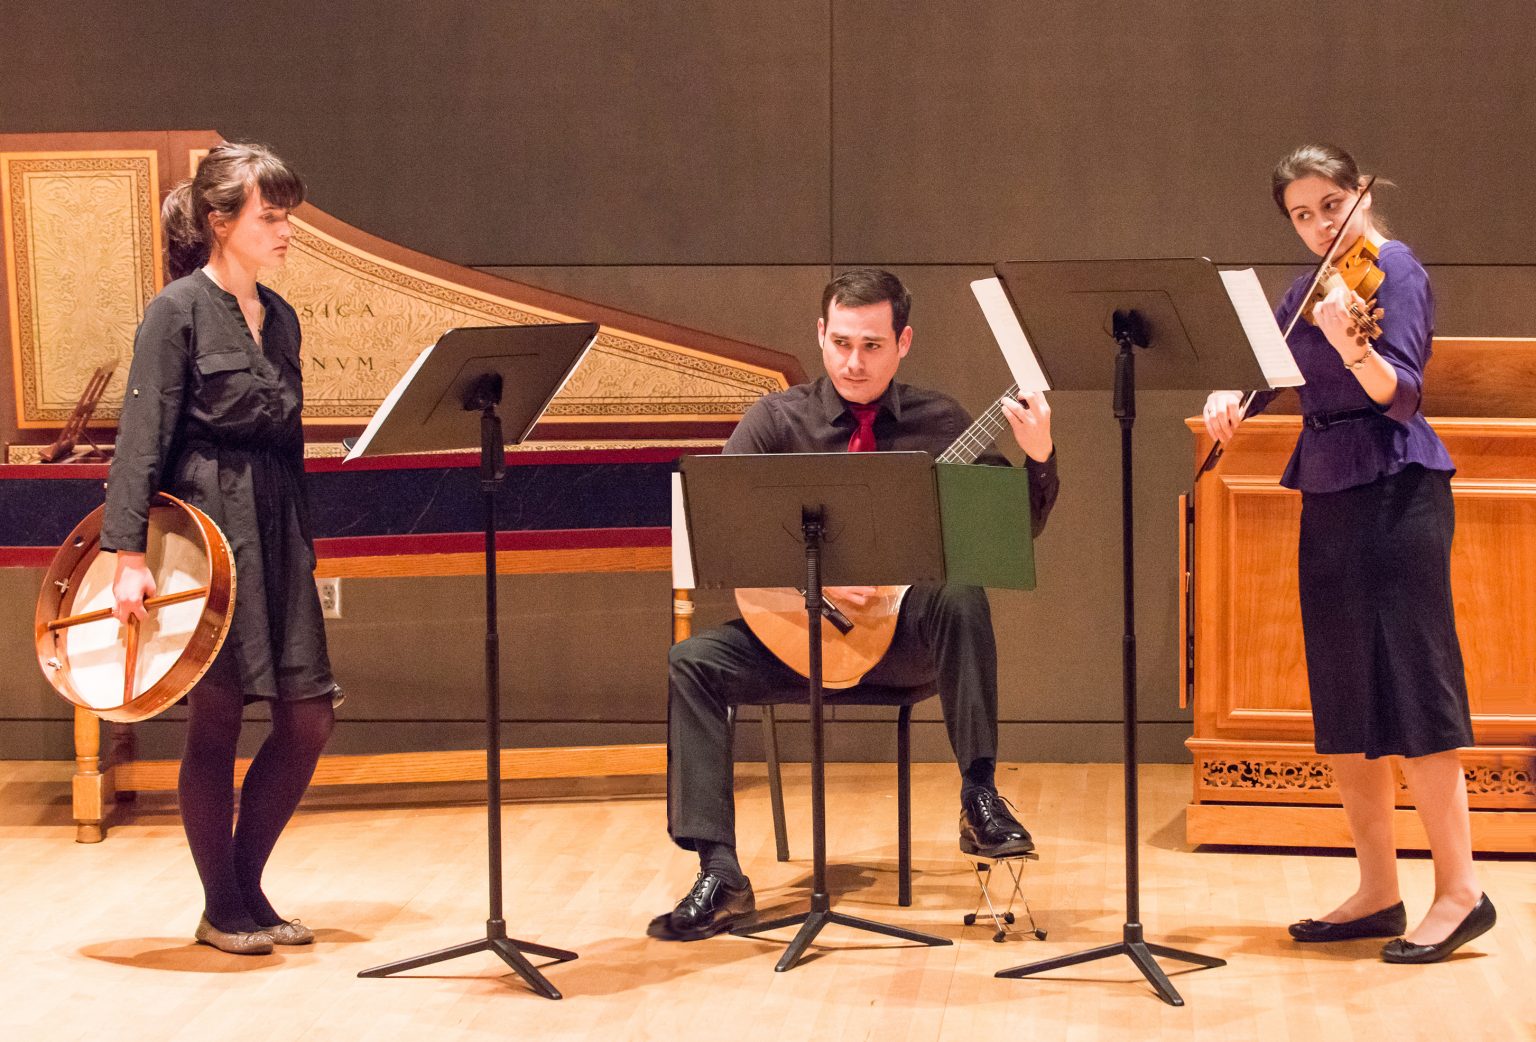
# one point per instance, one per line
(1383, 660)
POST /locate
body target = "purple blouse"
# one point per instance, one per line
(1358, 451)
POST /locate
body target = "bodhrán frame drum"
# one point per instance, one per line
(128, 672)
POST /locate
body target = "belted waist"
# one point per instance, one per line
(253, 445)
(1321, 421)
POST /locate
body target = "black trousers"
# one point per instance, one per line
(944, 633)
(1383, 660)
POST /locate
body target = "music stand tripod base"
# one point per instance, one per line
(1139, 950)
(820, 915)
(510, 950)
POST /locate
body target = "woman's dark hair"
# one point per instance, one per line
(861, 287)
(222, 184)
(1329, 162)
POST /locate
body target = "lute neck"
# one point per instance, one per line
(981, 434)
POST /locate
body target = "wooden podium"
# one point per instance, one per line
(1257, 780)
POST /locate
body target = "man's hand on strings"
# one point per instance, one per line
(1223, 413)
(1030, 418)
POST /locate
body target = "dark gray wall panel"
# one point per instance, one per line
(540, 132)
(1024, 129)
(24, 694)
(38, 740)
(771, 305)
(574, 647)
(1483, 300)
(1471, 300)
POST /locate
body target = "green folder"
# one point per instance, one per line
(984, 512)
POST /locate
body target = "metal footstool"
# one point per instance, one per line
(982, 866)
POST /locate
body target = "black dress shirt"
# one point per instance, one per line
(214, 419)
(813, 417)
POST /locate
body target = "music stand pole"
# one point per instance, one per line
(1130, 334)
(820, 913)
(484, 396)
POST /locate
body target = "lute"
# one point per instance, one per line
(853, 638)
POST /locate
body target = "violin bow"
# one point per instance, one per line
(1214, 455)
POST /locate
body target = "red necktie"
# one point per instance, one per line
(863, 439)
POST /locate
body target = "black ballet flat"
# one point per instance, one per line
(1478, 922)
(1389, 922)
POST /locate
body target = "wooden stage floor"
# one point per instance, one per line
(97, 939)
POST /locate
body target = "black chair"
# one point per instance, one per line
(903, 698)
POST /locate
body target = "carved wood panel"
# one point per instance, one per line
(82, 258)
(1261, 680)
(1254, 773)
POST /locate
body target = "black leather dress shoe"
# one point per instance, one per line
(1478, 922)
(988, 827)
(712, 906)
(1389, 922)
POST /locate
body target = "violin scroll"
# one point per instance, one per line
(1356, 271)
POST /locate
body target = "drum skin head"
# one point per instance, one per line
(86, 662)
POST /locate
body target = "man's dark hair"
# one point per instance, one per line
(861, 287)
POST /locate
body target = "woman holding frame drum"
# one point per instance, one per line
(211, 415)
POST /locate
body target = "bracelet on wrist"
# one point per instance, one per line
(1354, 366)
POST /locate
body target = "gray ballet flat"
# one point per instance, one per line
(290, 932)
(257, 942)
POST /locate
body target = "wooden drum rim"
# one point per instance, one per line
(62, 582)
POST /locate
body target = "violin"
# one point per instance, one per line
(1355, 269)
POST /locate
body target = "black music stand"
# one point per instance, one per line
(865, 519)
(1177, 312)
(504, 373)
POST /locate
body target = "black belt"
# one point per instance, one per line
(1321, 421)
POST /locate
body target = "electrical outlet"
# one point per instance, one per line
(330, 597)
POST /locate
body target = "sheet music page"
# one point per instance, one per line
(682, 551)
(395, 392)
(1269, 347)
(1010, 336)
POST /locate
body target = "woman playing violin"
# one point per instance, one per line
(1383, 660)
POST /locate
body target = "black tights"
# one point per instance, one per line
(230, 856)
